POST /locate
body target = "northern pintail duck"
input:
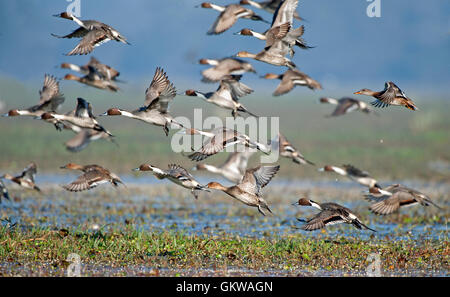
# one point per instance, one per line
(82, 139)
(3, 191)
(330, 214)
(391, 95)
(346, 105)
(290, 79)
(156, 106)
(274, 55)
(227, 94)
(270, 6)
(94, 79)
(391, 198)
(93, 34)
(177, 175)
(281, 29)
(355, 174)
(93, 175)
(248, 191)
(233, 169)
(82, 118)
(106, 71)
(26, 179)
(287, 150)
(50, 99)
(220, 138)
(228, 16)
(223, 68)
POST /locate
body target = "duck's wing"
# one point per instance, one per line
(345, 106)
(284, 13)
(389, 204)
(285, 86)
(257, 178)
(221, 139)
(227, 18)
(160, 92)
(29, 172)
(92, 39)
(86, 181)
(352, 170)
(277, 33)
(385, 97)
(322, 219)
(106, 71)
(78, 33)
(235, 87)
(224, 67)
(83, 109)
(179, 172)
(285, 145)
(79, 142)
(49, 90)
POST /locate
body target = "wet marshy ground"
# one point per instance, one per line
(154, 227)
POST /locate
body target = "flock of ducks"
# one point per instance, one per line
(280, 40)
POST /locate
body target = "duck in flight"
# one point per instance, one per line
(330, 214)
(93, 176)
(391, 95)
(92, 33)
(248, 190)
(177, 175)
(346, 105)
(26, 179)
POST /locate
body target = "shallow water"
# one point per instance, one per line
(154, 205)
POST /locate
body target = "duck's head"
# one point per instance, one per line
(364, 92)
(243, 54)
(112, 112)
(64, 15)
(303, 202)
(215, 186)
(206, 5)
(244, 2)
(71, 166)
(7, 176)
(327, 168)
(191, 92)
(144, 167)
(246, 32)
(199, 166)
(71, 77)
(65, 65)
(203, 61)
(12, 113)
(271, 76)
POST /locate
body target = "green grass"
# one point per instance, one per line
(175, 251)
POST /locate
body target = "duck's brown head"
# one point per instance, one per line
(200, 166)
(364, 92)
(271, 76)
(215, 185)
(144, 167)
(375, 190)
(303, 202)
(244, 2)
(65, 65)
(7, 176)
(243, 54)
(113, 112)
(203, 61)
(47, 116)
(246, 32)
(191, 93)
(71, 77)
(65, 15)
(71, 166)
(206, 5)
(327, 168)
(13, 113)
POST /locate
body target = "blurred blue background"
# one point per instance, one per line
(408, 44)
